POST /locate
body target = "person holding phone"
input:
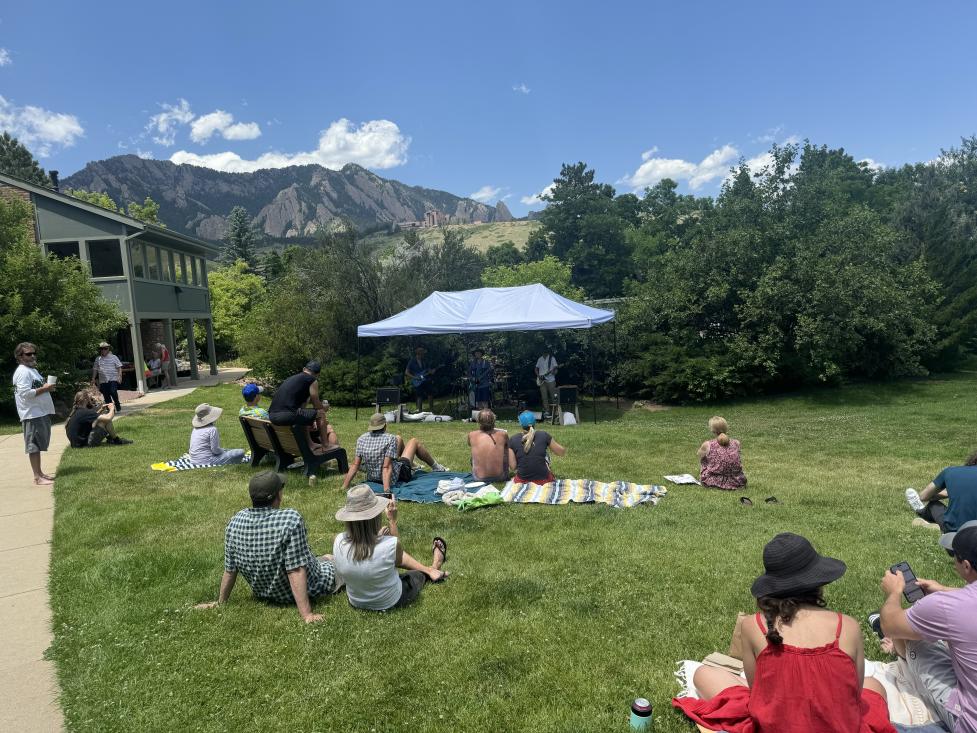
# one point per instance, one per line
(936, 638)
(367, 554)
(804, 663)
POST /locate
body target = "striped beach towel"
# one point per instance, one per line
(185, 464)
(618, 494)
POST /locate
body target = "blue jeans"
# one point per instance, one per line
(234, 455)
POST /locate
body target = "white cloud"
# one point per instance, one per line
(145, 154)
(873, 165)
(39, 129)
(219, 121)
(374, 144)
(486, 194)
(5, 59)
(164, 125)
(537, 198)
(521, 88)
(653, 169)
(770, 135)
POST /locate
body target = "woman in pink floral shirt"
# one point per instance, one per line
(720, 458)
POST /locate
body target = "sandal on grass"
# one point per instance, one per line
(746, 501)
(771, 500)
(440, 544)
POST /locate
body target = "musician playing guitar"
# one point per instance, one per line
(419, 374)
(546, 367)
(480, 378)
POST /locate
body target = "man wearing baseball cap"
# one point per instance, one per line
(936, 639)
(288, 406)
(269, 546)
(386, 458)
(251, 393)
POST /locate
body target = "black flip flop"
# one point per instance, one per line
(440, 544)
(771, 500)
(746, 501)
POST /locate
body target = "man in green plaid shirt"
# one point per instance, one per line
(269, 546)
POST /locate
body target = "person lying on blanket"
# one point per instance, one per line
(205, 441)
(386, 458)
(804, 664)
(527, 452)
(368, 554)
(490, 449)
(269, 546)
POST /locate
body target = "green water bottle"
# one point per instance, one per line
(641, 714)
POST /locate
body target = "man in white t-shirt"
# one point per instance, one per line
(34, 407)
(546, 367)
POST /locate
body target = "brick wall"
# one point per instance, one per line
(14, 193)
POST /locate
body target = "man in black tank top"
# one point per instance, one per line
(288, 406)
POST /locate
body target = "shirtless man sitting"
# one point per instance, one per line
(490, 458)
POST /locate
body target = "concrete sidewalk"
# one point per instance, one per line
(29, 682)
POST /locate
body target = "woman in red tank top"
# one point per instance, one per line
(804, 664)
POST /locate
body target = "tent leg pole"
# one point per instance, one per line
(356, 393)
(617, 361)
(593, 384)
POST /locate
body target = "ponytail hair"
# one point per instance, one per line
(783, 610)
(527, 439)
(719, 428)
(83, 398)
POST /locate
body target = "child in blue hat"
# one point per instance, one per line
(252, 395)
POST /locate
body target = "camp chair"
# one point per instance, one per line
(288, 443)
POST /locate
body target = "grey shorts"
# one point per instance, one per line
(928, 667)
(37, 434)
(97, 436)
(411, 583)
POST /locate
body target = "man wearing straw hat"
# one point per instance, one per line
(385, 457)
(269, 546)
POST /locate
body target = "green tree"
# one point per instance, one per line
(47, 301)
(97, 198)
(240, 239)
(550, 271)
(147, 211)
(504, 253)
(16, 160)
(234, 292)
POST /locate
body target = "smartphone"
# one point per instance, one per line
(912, 591)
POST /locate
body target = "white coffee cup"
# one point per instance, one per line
(51, 379)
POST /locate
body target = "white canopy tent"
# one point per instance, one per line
(521, 308)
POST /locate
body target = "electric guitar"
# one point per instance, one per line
(418, 379)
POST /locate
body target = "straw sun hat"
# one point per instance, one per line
(361, 503)
(205, 414)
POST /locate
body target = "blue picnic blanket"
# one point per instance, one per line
(423, 487)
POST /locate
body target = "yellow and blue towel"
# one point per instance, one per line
(618, 494)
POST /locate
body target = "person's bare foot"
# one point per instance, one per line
(43, 481)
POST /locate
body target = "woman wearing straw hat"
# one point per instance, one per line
(205, 441)
(368, 554)
(804, 664)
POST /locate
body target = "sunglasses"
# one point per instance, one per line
(29, 353)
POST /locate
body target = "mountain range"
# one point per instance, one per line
(284, 203)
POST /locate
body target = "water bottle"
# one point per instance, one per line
(641, 714)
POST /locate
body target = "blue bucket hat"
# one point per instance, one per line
(250, 391)
(527, 419)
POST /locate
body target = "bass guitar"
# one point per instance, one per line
(418, 379)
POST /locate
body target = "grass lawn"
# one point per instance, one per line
(9, 424)
(554, 618)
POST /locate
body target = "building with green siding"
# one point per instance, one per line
(157, 277)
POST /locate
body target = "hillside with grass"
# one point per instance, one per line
(554, 617)
(479, 236)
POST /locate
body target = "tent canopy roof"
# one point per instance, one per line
(521, 308)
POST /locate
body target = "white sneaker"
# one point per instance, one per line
(920, 522)
(439, 467)
(915, 503)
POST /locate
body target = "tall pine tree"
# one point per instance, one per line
(16, 160)
(240, 239)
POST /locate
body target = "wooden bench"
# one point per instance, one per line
(287, 443)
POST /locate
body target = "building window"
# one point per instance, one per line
(63, 250)
(166, 265)
(152, 255)
(179, 266)
(105, 256)
(138, 254)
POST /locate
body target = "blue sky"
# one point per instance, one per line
(487, 98)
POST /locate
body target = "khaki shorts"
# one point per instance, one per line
(37, 434)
